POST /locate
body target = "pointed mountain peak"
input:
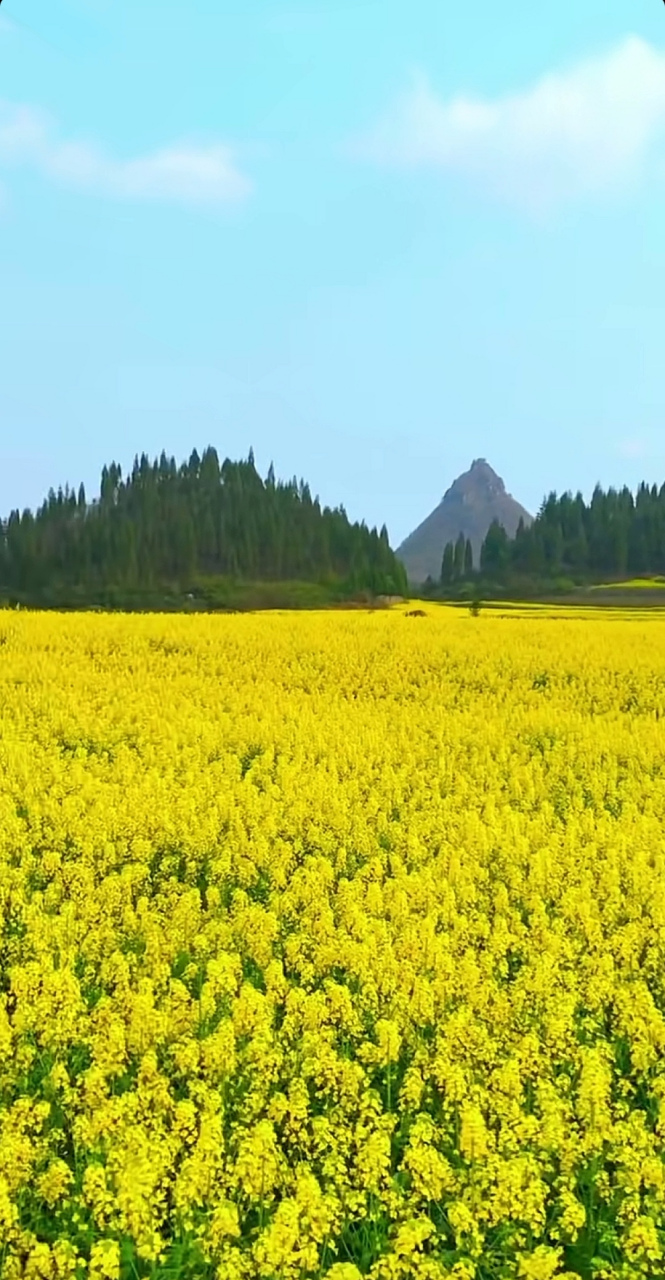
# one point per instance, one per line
(481, 481)
(469, 506)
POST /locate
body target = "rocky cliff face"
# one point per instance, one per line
(469, 506)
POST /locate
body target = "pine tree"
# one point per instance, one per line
(448, 564)
(458, 565)
(495, 553)
(615, 533)
(165, 524)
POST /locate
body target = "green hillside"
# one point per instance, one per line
(196, 535)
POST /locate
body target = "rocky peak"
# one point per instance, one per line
(479, 483)
(469, 506)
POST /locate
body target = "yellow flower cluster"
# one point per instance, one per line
(332, 945)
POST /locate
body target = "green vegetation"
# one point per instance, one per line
(614, 544)
(195, 536)
(635, 584)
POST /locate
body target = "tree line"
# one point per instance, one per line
(457, 563)
(165, 523)
(616, 533)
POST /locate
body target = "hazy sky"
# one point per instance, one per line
(373, 239)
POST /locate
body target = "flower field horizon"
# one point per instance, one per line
(332, 945)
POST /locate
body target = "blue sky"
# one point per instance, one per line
(372, 239)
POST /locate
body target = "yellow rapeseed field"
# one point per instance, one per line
(332, 945)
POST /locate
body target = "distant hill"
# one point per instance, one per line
(192, 531)
(469, 506)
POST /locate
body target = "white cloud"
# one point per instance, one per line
(588, 128)
(633, 448)
(180, 173)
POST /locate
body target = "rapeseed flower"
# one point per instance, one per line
(332, 946)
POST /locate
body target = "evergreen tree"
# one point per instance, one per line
(448, 564)
(458, 565)
(167, 524)
(614, 534)
(495, 552)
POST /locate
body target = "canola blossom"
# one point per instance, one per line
(332, 945)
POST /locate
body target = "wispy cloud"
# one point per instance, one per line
(581, 130)
(633, 448)
(183, 173)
